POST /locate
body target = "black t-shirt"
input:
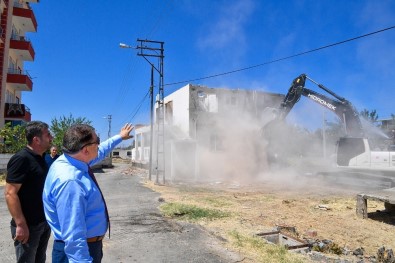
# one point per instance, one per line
(29, 169)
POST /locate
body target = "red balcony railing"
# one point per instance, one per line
(19, 80)
(22, 47)
(24, 16)
(17, 111)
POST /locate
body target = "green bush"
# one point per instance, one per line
(12, 138)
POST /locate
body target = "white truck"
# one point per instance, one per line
(357, 153)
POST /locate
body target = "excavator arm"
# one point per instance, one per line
(344, 110)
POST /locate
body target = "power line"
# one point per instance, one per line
(163, 15)
(164, 11)
(280, 59)
(264, 63)
(124, 90)
(137, 108)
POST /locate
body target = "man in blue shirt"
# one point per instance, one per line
(73, 203)
(52, 156)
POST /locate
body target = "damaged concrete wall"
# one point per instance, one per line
(210, 131)
(177, 112)
(225, 126)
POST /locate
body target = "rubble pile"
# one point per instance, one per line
(322, 249)
(329, 252)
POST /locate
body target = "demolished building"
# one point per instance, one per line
(205, 130)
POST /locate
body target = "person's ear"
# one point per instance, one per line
(36, 139)
(85, 150)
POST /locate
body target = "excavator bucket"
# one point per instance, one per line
(269, 115)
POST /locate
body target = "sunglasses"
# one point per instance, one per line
(89, 143)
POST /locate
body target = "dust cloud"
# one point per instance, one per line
(240, 148)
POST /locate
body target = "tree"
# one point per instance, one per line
(371, 116)
(335, 130)
(13, 138)
(59, 127)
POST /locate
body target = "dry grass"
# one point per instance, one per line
(260, 208)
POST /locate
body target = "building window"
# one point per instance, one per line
(11, 64)
(8, 97)
(138, 140)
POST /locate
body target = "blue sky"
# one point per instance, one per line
(80, 70)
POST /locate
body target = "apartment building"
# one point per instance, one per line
(16, 22)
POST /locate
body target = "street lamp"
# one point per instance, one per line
(149, 48)
(122, 45)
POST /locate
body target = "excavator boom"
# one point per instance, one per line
(343, 109)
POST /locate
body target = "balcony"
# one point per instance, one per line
(2, 5)
(19, 80)
(22, 48)
(14, 111)
(23, 17)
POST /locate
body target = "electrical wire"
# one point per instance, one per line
(258, 65)
(124, 91)
(136, 109)
(280, 59)
(139, 106)
(165, 12)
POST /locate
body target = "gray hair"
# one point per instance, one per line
(76, 136)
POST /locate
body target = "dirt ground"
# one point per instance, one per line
(318, 208)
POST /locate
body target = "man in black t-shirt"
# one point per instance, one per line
(26, 173)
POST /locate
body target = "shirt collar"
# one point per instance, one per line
(80, 165)
(33, 152)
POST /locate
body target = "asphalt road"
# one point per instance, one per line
(138, 231)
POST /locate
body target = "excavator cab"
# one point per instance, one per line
(348, 148)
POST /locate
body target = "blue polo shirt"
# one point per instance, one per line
(49, 160)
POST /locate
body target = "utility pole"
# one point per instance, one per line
(152, 123)
(323, 134)
(146, 49)
(109, 117)
(150, 48)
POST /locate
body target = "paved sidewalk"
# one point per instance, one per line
(138, 231)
